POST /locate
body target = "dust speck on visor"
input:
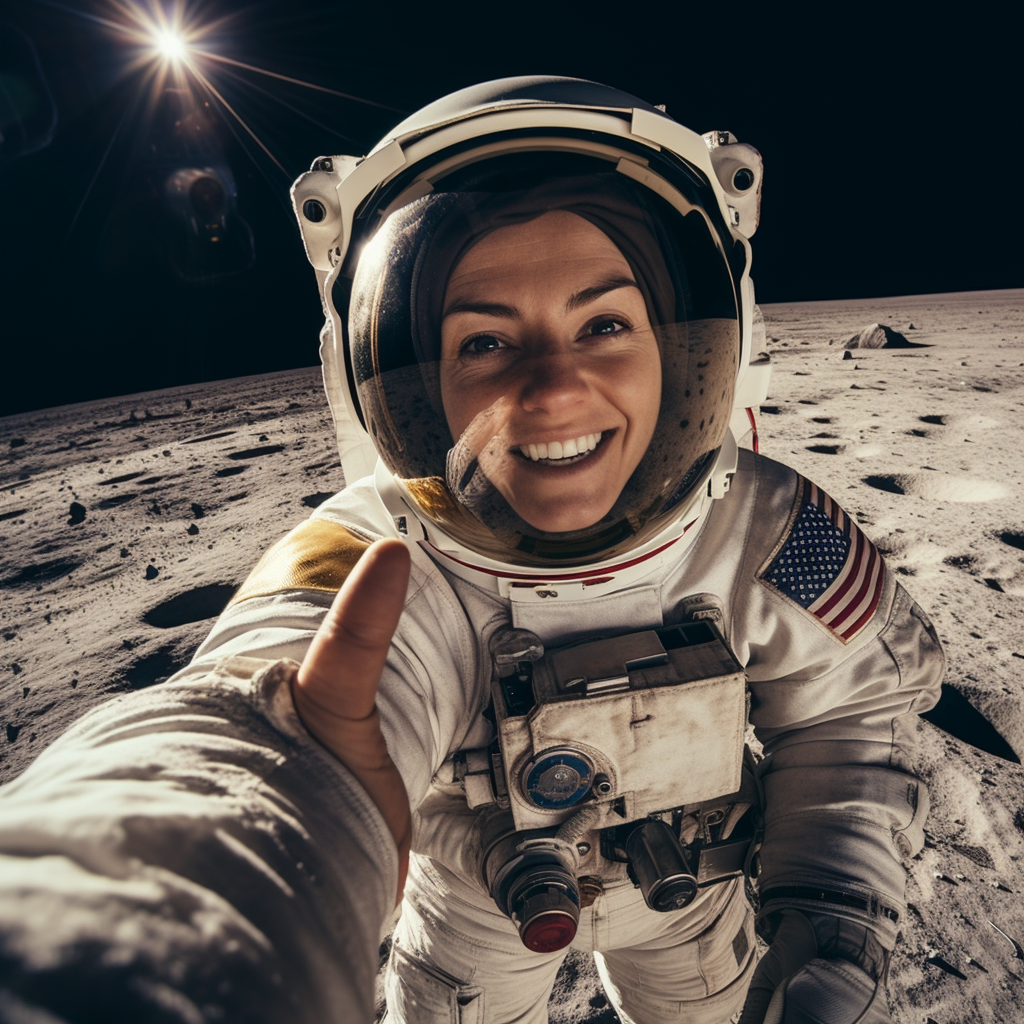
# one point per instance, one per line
(545, 354)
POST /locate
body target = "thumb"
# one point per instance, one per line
(336, 685)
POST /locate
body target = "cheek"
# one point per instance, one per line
(459, 398)
(645, 396)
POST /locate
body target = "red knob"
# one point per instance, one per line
(548, 932)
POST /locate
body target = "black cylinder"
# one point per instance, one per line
(658, 864)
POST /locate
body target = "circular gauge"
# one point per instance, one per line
(557, 779)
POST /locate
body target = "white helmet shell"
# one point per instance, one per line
(343, 203)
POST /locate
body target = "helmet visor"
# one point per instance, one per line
(545, 353)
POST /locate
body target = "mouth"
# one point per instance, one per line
(561, 453)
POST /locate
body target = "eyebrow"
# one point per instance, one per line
(574, 302)
(587, 295)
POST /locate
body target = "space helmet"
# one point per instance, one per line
(539, 318)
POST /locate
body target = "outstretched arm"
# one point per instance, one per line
(190, 852)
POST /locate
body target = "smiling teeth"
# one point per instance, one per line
(554, 450)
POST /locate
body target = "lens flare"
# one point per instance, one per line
(170, 45)
(172, 52)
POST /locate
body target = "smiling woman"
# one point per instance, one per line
(545, 323)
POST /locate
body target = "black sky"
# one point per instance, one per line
(888, 143)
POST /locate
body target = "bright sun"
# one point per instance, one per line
(169, 44)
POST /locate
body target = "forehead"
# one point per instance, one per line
(558, 241)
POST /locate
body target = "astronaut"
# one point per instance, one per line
(574, 589)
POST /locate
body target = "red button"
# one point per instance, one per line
(549, 932)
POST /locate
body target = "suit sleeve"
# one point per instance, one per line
(189, 854)
(838, 678)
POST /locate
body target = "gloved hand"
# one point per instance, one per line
(819, 969)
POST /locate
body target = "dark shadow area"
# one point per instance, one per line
(885, 483)
(154, 668)
(956, 715)
(193, 606)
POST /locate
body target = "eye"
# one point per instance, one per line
(480, 345)
(606, 327)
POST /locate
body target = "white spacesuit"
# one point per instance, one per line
(539, 318)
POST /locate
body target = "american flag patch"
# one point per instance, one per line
(828, 566)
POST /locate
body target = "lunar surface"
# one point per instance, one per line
(127, 523)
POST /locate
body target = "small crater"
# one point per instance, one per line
(918, 433)
(935, 421)
(117, 499)
(153, 668)
(939, 487)
(821, 419)
(193, 606)
(316, 500)
(825, 449)
(12, 515)
(255, 453)
(994, 585)
(770, 410)
(43, 572)
(230, 471)
(119, 479)
(885, 483)
(1015, 540)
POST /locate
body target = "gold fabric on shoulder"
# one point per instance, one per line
(317, 555)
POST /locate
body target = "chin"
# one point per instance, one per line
(569, 518)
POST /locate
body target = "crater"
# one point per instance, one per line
(885, 483)
(935, 421)
(825, 449)
(119, 479)
(255, 453)
(935, 486)
(316, 500)
(42, 572)
(117, 499)
(193, 606)
(154, 668)
(1015, 540)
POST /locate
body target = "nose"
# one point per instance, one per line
(552, 383)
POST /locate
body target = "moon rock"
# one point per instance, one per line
(878, 336)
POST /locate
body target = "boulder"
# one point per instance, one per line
(879, 336)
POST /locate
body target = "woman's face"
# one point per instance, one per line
(550, 372)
